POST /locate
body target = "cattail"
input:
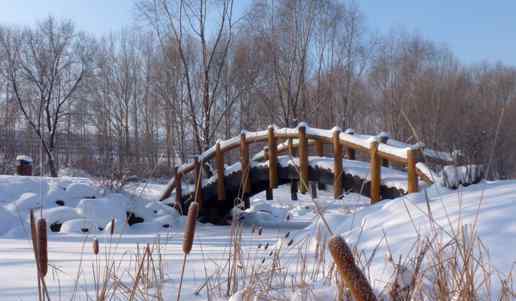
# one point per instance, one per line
(266, 246)
(290, 242)
(352, 276)
(263, 260)
(34, 236)
(42, 247)
(259, 246)
(112, 230)
(260, 230)
(288, 217)
(287, 235)
(193, 211)
(253, 229)
(96, 246)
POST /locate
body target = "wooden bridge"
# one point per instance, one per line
(290, 161)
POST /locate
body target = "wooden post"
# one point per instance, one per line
(413, 185)
(244, 163)
(303, 159)
(198, 182)
(319, 150)
(293, 190)
(179, 190)
(313, 189)
(273, 158)
(337, 165)
(268, 194)
(350, 152)
(219, 158)
(291, 150)
(319, 147)
(375, 169)
(383, 139)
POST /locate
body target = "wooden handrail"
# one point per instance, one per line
(305, 135)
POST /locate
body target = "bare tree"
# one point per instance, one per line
(186, 23)
(44, 67)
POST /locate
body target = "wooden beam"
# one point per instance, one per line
(375, 170)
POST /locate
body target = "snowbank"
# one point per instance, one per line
(77, 205)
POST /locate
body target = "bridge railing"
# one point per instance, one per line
(379, 152)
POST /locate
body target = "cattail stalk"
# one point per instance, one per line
(42, 247)
(95, 246)
(352, 276)
(112, 230)
(34, 236)
(193, 212)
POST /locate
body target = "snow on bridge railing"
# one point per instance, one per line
(378, 148)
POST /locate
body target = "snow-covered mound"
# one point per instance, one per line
(78, 205)
(390, 228)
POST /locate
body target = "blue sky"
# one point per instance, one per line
(475, 30)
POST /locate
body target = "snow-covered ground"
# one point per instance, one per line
(388, 229)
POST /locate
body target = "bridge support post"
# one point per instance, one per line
(293, 190)
(383, 139)
(198, 183)
(221, 190)
(179, 191)
(245, 167)
(273, 158)
(319, 150)
(268, 194)
(291, 149)
(350, 152)
(313, 189)
(337, 165)
(303, 159)
(375, 169)
(411, 170)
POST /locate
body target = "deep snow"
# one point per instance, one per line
(84, 205)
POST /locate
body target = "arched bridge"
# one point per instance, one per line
(392, 168)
